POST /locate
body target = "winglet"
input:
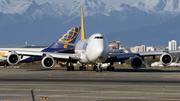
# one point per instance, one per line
(83, 35)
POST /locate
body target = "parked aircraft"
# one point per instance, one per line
(157, 64)
(58, 48)
(94, 50)
(160, 64)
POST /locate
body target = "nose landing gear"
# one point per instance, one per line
(70, 66)
(99, 68)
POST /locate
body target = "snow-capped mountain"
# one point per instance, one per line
(90, 7)
(28, 18)
(31, 11)
(12, 6)
(159, 6)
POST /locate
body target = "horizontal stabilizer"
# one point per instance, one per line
(70, 44)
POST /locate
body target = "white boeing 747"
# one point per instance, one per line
(94, 50)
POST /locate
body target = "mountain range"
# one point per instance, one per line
(147, 22)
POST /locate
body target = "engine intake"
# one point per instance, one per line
(13, 59)
(48, 61)
(136, 62)
(166, 58)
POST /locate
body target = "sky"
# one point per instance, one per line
(111, 2)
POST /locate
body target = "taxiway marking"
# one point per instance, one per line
(107, 92)
(169, 76)
(91, 74)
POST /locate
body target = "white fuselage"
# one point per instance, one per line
(93, 50)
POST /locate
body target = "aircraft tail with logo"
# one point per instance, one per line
(69, 37)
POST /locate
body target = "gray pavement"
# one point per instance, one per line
(61, 85)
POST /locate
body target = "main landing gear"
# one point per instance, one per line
(83, 67)
(70, 66)
(94, 68)
(110, 67)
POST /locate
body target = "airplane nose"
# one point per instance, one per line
(99, 49)
(100, 53)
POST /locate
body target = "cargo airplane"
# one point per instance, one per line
(58, 48)
(94, 50)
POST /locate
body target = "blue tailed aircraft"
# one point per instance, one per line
(69, 37)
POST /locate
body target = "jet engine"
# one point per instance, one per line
(166, 58)
(48, 61)
(136, 62)
(13, 58)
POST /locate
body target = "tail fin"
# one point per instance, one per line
(83, 35)
(69, 37)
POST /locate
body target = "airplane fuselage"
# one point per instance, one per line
(93, 50)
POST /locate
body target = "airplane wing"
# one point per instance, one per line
(13, 57)
(141, 54)
(54, 55)
(153, 53)
(137, 58)
(121, 55)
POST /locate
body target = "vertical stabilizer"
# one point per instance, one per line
(83, 35)
(69, 37)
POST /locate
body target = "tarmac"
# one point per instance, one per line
(57, 84)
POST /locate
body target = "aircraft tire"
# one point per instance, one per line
(96, 69)
(72, 68)
(80, 68)
(100, 69)
(108, 68)
(68, 68)
(84, 68)
(1, 64)
(112, 68)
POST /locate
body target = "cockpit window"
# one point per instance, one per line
(98, 37)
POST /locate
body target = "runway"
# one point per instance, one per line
(61, 85)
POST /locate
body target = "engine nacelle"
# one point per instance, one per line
(13, 59)
(136, 62)
(48, 61)
(166, 58)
